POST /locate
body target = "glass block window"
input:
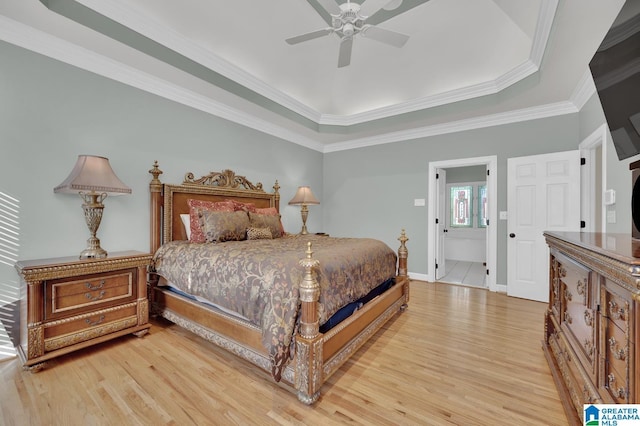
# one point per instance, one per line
(461, 206)
(482, 206)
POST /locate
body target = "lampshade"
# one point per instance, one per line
(92, 173)
(303, 196)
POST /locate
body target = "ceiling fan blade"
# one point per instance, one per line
(309, 36)
(330, 6)
(344, 57)
(385, 36)
(370, 7)
(383, 15)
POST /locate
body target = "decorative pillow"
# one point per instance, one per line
(245, 207)
(197, 235)
(223, 226)
(272, 212)
(266, 221)
(259, 234)
(186, 222)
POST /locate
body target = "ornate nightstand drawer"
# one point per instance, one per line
(88, 293)
(69, 331)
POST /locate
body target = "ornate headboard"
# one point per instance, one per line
(169, 201)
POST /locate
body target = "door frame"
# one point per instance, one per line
(588, 174)
(491, 162)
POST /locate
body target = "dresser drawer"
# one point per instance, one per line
(616, 384)
(579, 318)
(89, 293)
(69, 331)
(579, 386)
(617, 308)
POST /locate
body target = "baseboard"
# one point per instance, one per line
(418, 277)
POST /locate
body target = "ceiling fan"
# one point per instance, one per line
(348, 20)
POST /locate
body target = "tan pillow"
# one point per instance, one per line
(273, 212)
(197, 236)
(223, 226)
(259, 234)
(266, 221)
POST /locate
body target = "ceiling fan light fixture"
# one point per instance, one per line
(348, 29)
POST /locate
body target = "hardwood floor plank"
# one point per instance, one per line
(457, 356)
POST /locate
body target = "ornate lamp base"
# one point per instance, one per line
(93, 208)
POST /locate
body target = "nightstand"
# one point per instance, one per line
(68, 304)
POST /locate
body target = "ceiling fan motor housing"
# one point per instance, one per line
(349, 22)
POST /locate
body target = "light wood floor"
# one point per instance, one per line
(457, 356)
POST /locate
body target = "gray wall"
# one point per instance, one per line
(52, 112)
(371, 190)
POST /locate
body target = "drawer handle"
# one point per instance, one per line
(98, 287)
(92, 323)
(619, 354)
(568, 295)
(588, 317)
(620, 392)
(562, 271)
(567, 317)
(92, 297)
(588, 347)
(616, 312)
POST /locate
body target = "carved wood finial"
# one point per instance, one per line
(155, 185)
(276, 187)
(156, 172)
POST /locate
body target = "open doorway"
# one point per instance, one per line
(593, 151)
(465, 226)
(481, 258)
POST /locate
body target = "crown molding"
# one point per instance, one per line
(526, 114)
(124, 13)
(583, 90)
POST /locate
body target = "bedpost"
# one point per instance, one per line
(403, 254)
(155, 189)
(276, 192)
(308, 376)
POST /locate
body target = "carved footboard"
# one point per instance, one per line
(311, 367)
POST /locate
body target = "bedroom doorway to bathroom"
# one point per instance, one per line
(462, 221)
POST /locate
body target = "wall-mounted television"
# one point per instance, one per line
(616, 72)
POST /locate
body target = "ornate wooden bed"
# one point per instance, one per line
(317, 355)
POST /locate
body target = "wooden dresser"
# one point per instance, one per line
(591, 326)
(68, 304)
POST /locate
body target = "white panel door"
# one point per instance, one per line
(543, 195)
(441, 226)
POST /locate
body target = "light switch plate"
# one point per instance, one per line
(609, 197)
(419, 202)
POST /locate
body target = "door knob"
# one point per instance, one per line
(512, 235)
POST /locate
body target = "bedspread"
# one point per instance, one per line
(259, 279)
